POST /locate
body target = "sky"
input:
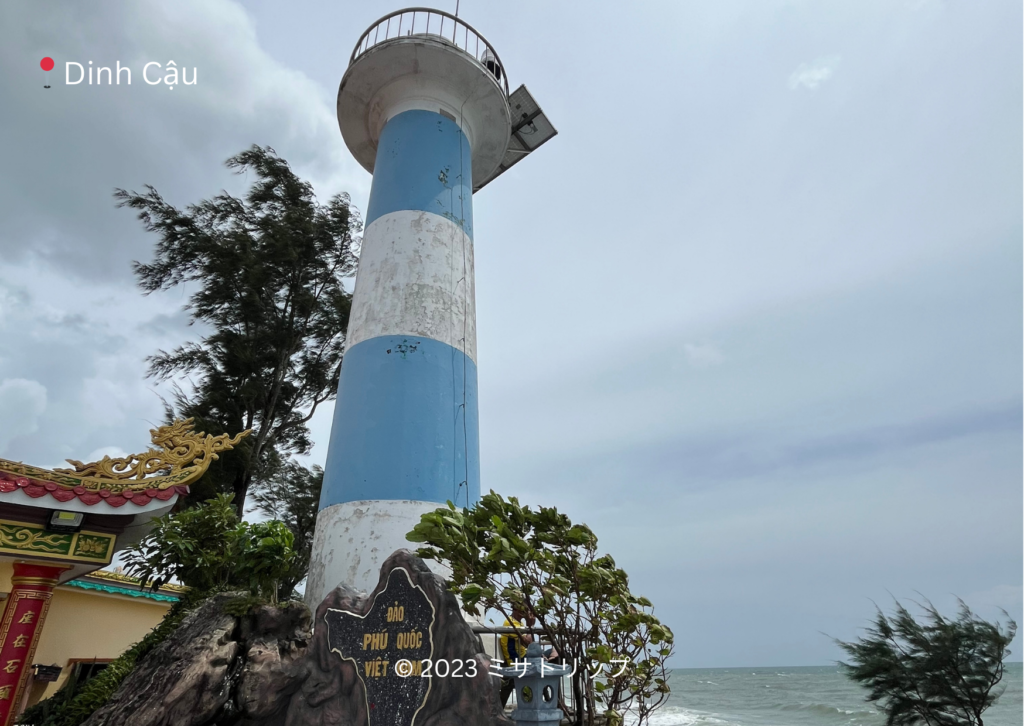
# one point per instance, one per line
(754, 315)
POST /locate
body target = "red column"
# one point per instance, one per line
(24, 613)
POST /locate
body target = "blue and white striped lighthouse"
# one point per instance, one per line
(424, 106)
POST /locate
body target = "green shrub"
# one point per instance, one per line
(207, 548)
(504, 555)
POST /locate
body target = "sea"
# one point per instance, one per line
(804, 696)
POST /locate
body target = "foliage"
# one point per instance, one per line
(242, 605)
(267, 273)
(501, 554)
(292, 495)
(207, 548)
(71, 706)
(940, 672)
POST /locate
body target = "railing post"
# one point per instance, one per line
(365, 42)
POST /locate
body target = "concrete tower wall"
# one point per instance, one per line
(405, 434)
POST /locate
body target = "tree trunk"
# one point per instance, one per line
(241, 489)
(577, 698)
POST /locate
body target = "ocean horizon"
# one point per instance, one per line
(796, 696)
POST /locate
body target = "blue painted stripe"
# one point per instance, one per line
(398, 428)
(424, 164)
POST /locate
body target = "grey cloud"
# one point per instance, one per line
(703, 355)
(781, 556)
(717, 460)
(77, 143)
(175, 323)
(84, 344)
(67, 300)
(24, 401)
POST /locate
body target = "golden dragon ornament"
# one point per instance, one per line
(179, 457)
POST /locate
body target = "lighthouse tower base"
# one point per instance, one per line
(353, 540)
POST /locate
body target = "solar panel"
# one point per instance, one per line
(530, 129)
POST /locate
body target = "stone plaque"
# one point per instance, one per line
(388, 646)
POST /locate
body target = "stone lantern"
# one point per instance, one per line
(538, 685)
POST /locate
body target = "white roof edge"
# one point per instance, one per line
(76, 505)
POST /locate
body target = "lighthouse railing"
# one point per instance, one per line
(426, 21)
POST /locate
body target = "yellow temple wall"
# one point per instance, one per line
(6, 573)
(86, 624)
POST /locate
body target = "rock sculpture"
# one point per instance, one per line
(277, 666)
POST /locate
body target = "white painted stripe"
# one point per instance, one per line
(353, 539)
(415, 278)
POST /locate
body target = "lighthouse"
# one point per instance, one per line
(425, 107)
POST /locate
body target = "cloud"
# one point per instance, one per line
(107, 395)
(717, 459)
(812, 75)
(22, 401)
(114, 452)
(85, 344)
(703, 355)
(77, 143)
(1008, 597)
(72, 318)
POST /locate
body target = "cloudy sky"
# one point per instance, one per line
(754, 315)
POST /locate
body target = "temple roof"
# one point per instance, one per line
(120, 584)
(159, 473)
(118, 590)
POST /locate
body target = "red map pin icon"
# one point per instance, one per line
(46, 63)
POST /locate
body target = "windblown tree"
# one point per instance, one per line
(939, 672)
(267, 274)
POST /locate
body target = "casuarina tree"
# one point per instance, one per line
(265, 274)
(938, 672)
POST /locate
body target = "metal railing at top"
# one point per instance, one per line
(425, 21)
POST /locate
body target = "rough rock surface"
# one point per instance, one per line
(268, 669)
(185, 679)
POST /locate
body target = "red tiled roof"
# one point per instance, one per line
(37, 488)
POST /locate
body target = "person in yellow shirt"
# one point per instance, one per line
(513, 648)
